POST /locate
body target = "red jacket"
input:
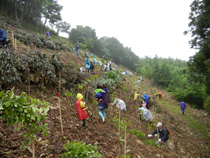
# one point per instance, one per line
(82, 113)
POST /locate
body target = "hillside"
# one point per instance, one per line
(191, 131)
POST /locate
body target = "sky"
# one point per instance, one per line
(148, 27)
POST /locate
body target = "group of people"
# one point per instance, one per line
(161, 133)
(103, 99)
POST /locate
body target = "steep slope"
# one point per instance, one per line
(187, 137)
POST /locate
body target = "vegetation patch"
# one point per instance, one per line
(78, 149)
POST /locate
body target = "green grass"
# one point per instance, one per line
(198, 127)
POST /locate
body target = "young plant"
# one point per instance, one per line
(80, 150)
(151, 142)
(24, 110)
(122, 125)
(137, 133)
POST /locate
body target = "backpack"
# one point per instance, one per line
(107, 99)
(167, 130)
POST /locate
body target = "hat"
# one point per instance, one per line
(159, 124)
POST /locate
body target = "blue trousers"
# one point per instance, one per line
(102, 113)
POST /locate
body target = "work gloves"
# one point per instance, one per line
(159, 140)
(149, 135)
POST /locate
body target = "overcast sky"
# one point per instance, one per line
(148, 27)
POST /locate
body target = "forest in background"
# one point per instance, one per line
(188, 81)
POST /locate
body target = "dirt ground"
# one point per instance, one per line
(105, 135)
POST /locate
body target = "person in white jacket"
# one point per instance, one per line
(119, 103)
(146, 114)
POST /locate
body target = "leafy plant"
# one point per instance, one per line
(151, 142)
(126, 89)
(78, 149)
(149, 126)
(121, 123)
(8, 68)
(127, 156)
(137, 133)
(207, 103)
(24, 110)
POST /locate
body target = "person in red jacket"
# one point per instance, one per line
(81, 111)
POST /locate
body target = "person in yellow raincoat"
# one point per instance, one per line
(81, 111)
(136, 97)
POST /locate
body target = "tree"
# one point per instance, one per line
(63, 27)
(51, 11)
(200, 30)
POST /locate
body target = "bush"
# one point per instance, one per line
(8, 69)
(137, 133)
(80, 150)
(207, 103)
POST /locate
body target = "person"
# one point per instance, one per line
(3, 38)
(141, 78)
(120, 104)
(144, 104)
(183, 107)
(106, 67)
(146, 99)
(110, 66)
(47, 33)
(87, 60)
(163, 134)
(81, 110)
(91, 67)
(159, 94)
(82, 70)
(94, 60)
(86, 54)
(146, 114)
(101, 105)
(92, 55)
(87, 67)
(76, 49)
(136, 97)
(99, 89)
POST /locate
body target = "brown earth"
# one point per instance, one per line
(106, 134)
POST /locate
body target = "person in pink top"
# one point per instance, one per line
(143, 104)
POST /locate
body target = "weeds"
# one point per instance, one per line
(139, 134)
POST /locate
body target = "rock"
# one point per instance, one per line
(139, 142)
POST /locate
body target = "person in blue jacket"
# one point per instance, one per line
(101, 105)
(76, 49)
(3, 38)
(87, 67)
(146, 100)
(183, 107)
(87, 60)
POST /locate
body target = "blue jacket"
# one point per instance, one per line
(100, 96)
(146, 98)
(183, 105)
(3, 35)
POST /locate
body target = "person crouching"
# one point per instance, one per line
(81, 111)
(163, 135)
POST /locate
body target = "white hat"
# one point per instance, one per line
(159, 124)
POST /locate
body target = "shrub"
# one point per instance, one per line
(8, 69)
(137, 133)
(151, 142)
(207, 103)
(80, 150)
